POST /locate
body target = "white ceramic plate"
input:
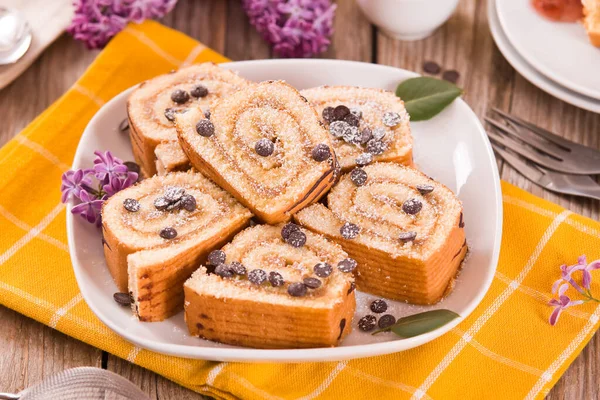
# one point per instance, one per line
(560, 51)
(453, 148)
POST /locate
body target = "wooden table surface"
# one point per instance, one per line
(30, 351)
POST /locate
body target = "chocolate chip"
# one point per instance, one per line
(257, 276)
(328, 114)
(356, 112)
(358, 176)
(365, 135)
(321, 152)
(174, 193)
(288, 229)
(296, 239)
(386, 321)
(180, 96)
(451, 76)
(339, 129)
(188, 202)
(170, 114)
(391, 119)
(431, 67)
(216, 257)
(347, 265)
(351, 120)
(352, 135)
(367, 323)
(276, 279)
(205, 128)
(312, 283)
(297, 289)
(123, 299)
(342, 326)
(379, 306)
(132, 167)
(199, 91)
(124, 125)
(349, 230)
(364, 159)
(131, 205)
(340, 112)
(322, 269)
(412, 206)
(379, 133)
(223, 271)
(425, 189)
(352, 287)
(407, 236)
(161, 203)
(207, 114)
(461, 223)
(264, 147)
(168, 233)
(376, 147)
(237, 268)
(174, 205)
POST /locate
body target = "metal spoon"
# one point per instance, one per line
(15, 36)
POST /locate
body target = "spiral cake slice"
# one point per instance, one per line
(157, 232)
(153, 104)
(273, 287)
(404, 229)
(265, 145)
(365, 124)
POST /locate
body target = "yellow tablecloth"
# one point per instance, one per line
(506, 349)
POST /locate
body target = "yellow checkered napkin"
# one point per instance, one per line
(506, 349)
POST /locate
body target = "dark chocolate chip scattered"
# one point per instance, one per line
(425, 189)
(461, 223)
(180, 96)
(297, 289)
(352, 287)
(376, 147)
(356, 112)
(431, 67)
(170, 114)
(288, 229)
(321, 152)
(386, 321)
(391, 119)
(339, 129)
(199, 91)
(379, 133)
(312, 283)
(174, 193)
(257, 276)
(347, 265)
(131, 205)
(161, 203)
(412, 206)
(340, 112)
(237, 268)
(352, 135)
(264, 147)
(168, 233)
(451, 76)
(276, 279)
(188, 202)
(367, 323)
(349, 230)
(364, 159)
(124, 125)
(342, 326)
(405, 237)
(323, 269)
(216, 257)
(358, 176)
(366, 135)
(224, 271)
(328, 114)
(176, 205)
(124, 299)
(207, 114)
(132, 167)
(379, 306)
(205, 128)
(351, 119)
(296, 239)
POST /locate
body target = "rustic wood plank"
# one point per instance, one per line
(353, 34)
(243, 42)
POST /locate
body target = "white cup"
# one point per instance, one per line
(408, 19)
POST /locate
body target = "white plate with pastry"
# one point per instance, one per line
(561, 51)
(285, 292)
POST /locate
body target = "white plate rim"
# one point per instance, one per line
(312, 354)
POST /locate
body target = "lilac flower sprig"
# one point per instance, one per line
(295, 28)
(111, 174)
(96, 21)
(561, 285)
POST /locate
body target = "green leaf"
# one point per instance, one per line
(425, 97)
(418, 324)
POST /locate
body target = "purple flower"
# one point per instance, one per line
(89, 208)
(107, 166)
(118, 183)
(295, 28)
(588, 268)
(74, 182)
(566, 276)
(561, 303)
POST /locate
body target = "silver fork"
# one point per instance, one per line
(578, 185)
(543, 147)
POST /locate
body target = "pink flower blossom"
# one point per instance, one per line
(73, 182)
(89, 208)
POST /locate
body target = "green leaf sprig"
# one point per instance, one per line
(425, 97)
(418, 324)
